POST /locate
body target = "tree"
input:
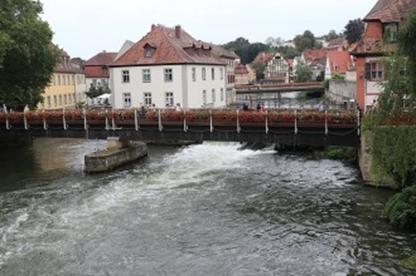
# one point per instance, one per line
(27, 56)
(305, 41)
(245, 50)
(274, 42)
(303, 73)
(353, 30)
(259, 68)
(332, 35)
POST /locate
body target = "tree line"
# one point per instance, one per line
(248, 51)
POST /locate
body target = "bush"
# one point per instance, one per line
(401, 208)
(394, 151)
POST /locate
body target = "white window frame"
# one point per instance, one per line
(193, 74)
(221, 73)
(204, 74)
(125, 76)
(126, 99)
(222, 96)
(213, 73)
(169, 99)
(147, 75)
(168, 74)
(204, 97)
(213, 95)
(147, 98)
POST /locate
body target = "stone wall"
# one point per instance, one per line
(341, 91)
(111, 158)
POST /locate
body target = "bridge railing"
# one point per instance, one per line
(184, 119)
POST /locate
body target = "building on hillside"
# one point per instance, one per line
(231, 59)
(316, 60)
(380, 36)
(244, 75)
(338, 63)
(263, 58)
(97, 69)
(168, 67)
(63, 88)
(337, 44)
(277, 70)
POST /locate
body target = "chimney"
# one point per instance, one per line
(178, 31)
(153, 27)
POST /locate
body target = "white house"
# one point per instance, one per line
(168, 67)
(96, 69)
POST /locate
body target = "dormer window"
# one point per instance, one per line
(149, 52)
(149, 49)
(391, 32)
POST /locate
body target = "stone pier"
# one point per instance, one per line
(119, 152)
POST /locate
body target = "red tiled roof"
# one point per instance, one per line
(390, 10)
(103, 58)
(65, 65)
(263, 57)
(315, 57)
(172, 46)
(339, 61)
(241, 69)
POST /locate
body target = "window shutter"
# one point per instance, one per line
(368, 71)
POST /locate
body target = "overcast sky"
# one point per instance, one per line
(86, 27)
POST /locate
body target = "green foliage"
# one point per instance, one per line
(332, 35)
(409, 263)
(306, 41)
(394, 151)
(303, 73)
(259, 68)
(27, 57)
(340, 153)
(245, 50)
(407, 48)
(353, 30)
(401, 208)
(97, 91)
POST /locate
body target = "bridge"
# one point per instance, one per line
(282, 127)
(279, 88)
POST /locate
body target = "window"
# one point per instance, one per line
(204, 97)
(374, 71)
(94, 83)
(213, 96)
(147, 99)
(60, 99)
(194, 74)
(168, 75)
(147, 78)
(49, 101)
(65, 99)
(148, 52)
(126, 76)
(222, 95)
(391, 32)
(169, 99)
(55, 101)
(222, 73)
(213, 73)
(204, 74)
(127, 100)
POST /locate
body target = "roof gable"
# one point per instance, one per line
(390, 10)
(171, 46)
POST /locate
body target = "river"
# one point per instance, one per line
(208, 209)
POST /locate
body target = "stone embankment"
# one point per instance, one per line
(117, 153)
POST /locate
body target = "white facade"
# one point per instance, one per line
(185, 85)
(80, 88)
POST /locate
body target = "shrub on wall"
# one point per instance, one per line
(401, 208)
(394, 151)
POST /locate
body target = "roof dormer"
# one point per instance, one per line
(149, 49)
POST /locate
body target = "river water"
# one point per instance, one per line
(207, 209)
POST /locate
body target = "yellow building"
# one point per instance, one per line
(62, 91)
